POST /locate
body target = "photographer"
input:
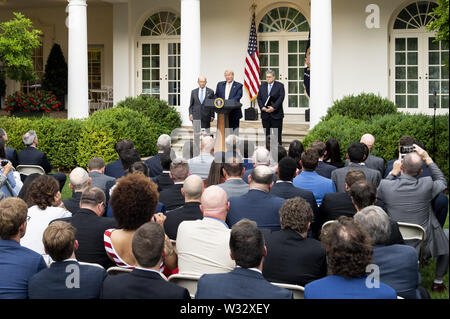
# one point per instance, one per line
(7, 181)
(408, 199)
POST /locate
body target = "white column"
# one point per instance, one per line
(121, 56)
(78, 106)
(190, 53)
(321, 60)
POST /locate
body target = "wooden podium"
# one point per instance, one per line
(222, 108)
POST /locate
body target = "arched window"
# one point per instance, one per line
(414, 16)
(162, 24)
(283, 19)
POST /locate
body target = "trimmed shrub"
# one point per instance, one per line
(362, 106)
(94, 143)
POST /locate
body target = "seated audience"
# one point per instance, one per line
(115, 169)
(295, 151)
(133, 202)
(91, 226)
(215, 176)
(66, 278)
(356, 153)
(372, 161)
(308, 179)
(261, 157)
(43, 201)
(323, 169)
(163, 180)
(23, 194)
(145, 281)
(246, 280)
(233, 170)
(202, 244)
(96, 169)
(11, 153)
(172, 197)
(349, 252)
(8, 183)
(258, 204)
(408, 199)
(291, 257)
(79, 181)
(164, 145)
(201, 164)
(17, 263)
(333, 153)
(192, 191)
(32, 156)
(246, 149)
(398, 264)
(440, 202)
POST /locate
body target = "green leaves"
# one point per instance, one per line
(441, 23)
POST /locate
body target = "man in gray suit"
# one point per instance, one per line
(408, 199)
(372, 161)
(356, 153)
(96, 169)
(233, 170)
(200, 116)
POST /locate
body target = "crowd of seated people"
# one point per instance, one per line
(242, 221)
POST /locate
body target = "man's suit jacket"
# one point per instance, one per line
(154, 165)
(375, 162)
(292, 259)
(190, 211)
(90, 229)
(51, 283)
(408, 199)
(335, 205)
(115, 169)
(197, 109)
(141, 284)
(235, 94)
(11, 155)
(287, 190)
(241, 283)
(399, 268)
(32, 156)
(276, 100)
(102, 181)
(72, 204)
(163, 181)
(324, 169)
(171, 197)
(258, 206)
(338, 175)
(234, 187)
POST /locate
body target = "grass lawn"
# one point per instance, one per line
(427, 272)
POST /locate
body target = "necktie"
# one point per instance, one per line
(270, 88)
(227, 91)
(202, 96)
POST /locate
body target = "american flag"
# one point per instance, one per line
(251, 80)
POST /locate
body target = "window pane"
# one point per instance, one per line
(155, 74)
(172, 61)
(413, 101)
(146, 87)
(412, 58)
(292, 74)
(400, 59)
(292, 60)
(433, 87)
(301, 60)
(293, 101)
(412, 86)
(155, 87)
(433, 45)
(412, 44)
(302, 46)
(145, 62)
(263, 47)
(293, 87)
(304, 102)
(263, 60)
(274, 60)
(444, 101)
(274, 46)
(444, 72)
(146, 75)
(412, 72)
(434, 72)
(433, 58)
(172, 74)
(400, 101)
(146, 49)
(444, 87)
(444, 57)
(400, 72)
(155, 49)
(292, 46)
(432, 100)
(400, 87)
(155, 62)
(400, 44)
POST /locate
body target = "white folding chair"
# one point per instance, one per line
(30, 169)
(411, 231)
(117, 270)
(298, 291)
(186, 281)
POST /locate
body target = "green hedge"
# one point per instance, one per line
(72, 143)
(387, 130)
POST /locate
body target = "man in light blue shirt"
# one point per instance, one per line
(310, 180)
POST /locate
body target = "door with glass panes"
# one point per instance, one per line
(159, 69)
(285, 55)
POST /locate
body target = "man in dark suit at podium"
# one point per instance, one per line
(199, 115)
(270, 101)
(231, 90)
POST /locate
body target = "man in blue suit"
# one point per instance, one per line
(270, 100)
(257, 205)
(246, 280)
(66, 278)
(231, 90)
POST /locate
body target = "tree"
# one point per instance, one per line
(55, 77)
(440, 23)
(17, 41)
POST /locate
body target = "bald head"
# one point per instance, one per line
(368, 139)
(412, 164)
(193, 188)
(261, 178)
(79, 179)
(215, 203)
(207, 144)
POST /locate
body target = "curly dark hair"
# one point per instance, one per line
(42, 191)
(348, 248)
(133, 201)
(295, 214)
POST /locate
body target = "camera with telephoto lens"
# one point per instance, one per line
(406, 149)
(4, 163)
